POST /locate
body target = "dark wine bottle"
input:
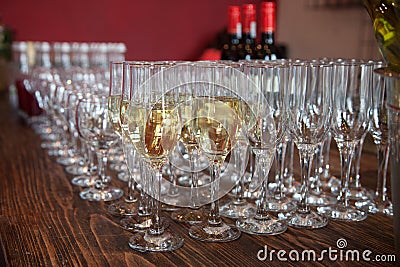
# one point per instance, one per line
(230, 49)
(267, 49)
(249, 32)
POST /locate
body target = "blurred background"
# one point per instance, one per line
(182, 30)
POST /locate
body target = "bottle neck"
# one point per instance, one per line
(248, 38)
(43, 59)
(234, 38)
(268, 38)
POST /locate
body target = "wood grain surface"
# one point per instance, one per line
(43, 221)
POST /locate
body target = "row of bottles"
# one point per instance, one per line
(242, 33)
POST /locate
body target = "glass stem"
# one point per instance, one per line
(280, 157)
(172, 190)
(144, 203)
(214, 218)
(156, 227)
(383, 159)
(355, 181)
(318, 165)
(288, 165)
(130, 158)
(102, 157)
(262, 207)
(306, 156)
(346, 150)
(92, 168)
(326, 147)
(131, 185)
(194, 157)
(239, 190)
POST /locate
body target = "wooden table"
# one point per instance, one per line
(43, 221)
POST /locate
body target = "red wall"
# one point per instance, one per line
(151, 29)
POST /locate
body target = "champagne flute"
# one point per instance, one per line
(350, 120)
(308, 115)
(380, 201)
(241, 155)
(93, 125)
(267, 131)
(217, 125)
(239, 206)
(187, 148)
(135, 73)
(152, 129)
(117, 105)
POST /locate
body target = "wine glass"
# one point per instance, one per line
(267, 131)
(217, 123)
(380, 201)
(320, 193)
(274, 88)
(187, 156)
(239, 206)
(308, 115)
(117, 105)
(152, 127)
(242, 157)
(93, 125)
(134, 74)
(87, 175)
(350, 120)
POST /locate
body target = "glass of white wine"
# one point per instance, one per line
(117, 106)
(217, 125)
(135, 73)
(152, 129)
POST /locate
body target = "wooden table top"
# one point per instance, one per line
(43, 221)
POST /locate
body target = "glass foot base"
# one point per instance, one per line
(235, 210)
(308, 220)
(50, 145)
(123, 208)
(76, 169)
(373, 206)
(281, 204)
(166, 207)
(261, 226)
(123, 176)
(343, 213)
(166, 241)
(321, 199)
(66, 161)
(214, 233)
(190, 216)
(118, 167)
(138, 223)
(87, 181)
(331, 184)
(359, 193)
(107, 194)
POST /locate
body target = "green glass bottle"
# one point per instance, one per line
(385, 16)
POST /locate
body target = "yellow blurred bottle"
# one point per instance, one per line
(385, 16)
